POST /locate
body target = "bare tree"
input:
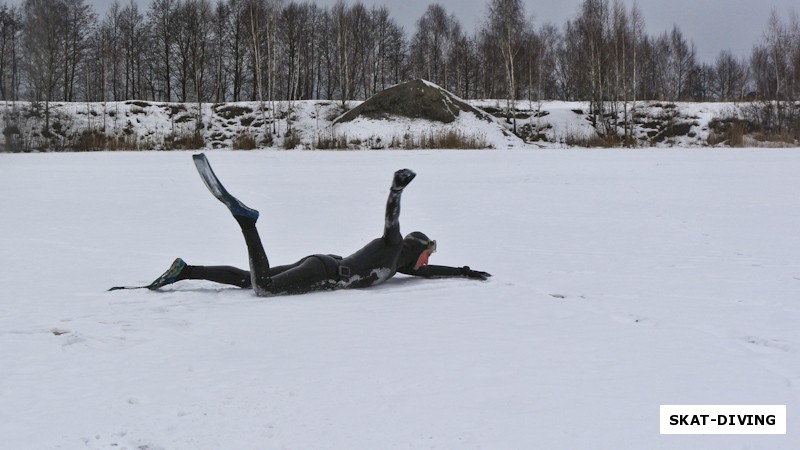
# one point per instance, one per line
(385, 33)
(507, 26)
(80, 21)
(133, 43)
(10, 29)
(237, 46)
(432, 44)
(326, 57)
(341, 30)
(198, 20)
(359, 40)
(592, 29)
(774, 60)
(220, 51)
(681, 64)
(293, 38)
(263, 30)
(730, 77)
(111, 28)
(44, 24)
(637, 36)
(161, 17)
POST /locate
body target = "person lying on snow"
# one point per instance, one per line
(373, 264)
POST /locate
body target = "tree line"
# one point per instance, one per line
(235, 50)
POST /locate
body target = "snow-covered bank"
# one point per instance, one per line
(622, 280)
(138, 125)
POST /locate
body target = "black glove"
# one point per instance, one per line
(474, 274)
(401, 179)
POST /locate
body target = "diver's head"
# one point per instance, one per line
(417, 248)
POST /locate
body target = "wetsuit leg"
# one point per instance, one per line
(219, 274)
(244, 215)
(312, 273)
(259, 264)
(391, 231)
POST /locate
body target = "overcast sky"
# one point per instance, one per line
(713, 25)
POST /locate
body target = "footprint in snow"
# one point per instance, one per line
(119, 440)
(765, 346)
(633, 319)
(563, 296)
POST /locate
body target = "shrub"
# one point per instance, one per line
(291, 140)
(332, 142)
(11, 130)
(137, 103)
(96, 141)
(730, 131)
(173, 108)
(445, 139)
(184, 141)
(232, 111)
(244, 141)
(597, 141)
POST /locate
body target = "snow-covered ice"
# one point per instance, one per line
(623, 280)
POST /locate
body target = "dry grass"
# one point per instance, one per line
(448, 139)
(597, 141)
(332, 142)
(185, 141)
(244, 141)
(90, 141)
(291, 140)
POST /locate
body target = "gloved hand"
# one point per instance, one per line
(401, 179)
(474, 274)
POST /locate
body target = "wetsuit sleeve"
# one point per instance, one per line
(391, 230)
(431, 271)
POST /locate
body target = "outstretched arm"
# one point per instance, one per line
(430, 271)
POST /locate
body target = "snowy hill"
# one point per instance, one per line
(420, 114)
(139, 125)
(623, 280)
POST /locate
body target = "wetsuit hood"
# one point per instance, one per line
(417, 247)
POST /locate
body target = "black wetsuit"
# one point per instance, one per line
(374, 263)
(320, 272)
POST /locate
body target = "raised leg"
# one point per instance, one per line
(391, 230)
(259, 263)
(246, 218)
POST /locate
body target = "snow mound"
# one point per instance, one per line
(420, 114)
(416, 99)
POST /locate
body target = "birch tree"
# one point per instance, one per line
(506, 25)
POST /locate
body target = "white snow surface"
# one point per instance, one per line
(623, 280)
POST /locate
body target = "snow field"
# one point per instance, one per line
(623, 280)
